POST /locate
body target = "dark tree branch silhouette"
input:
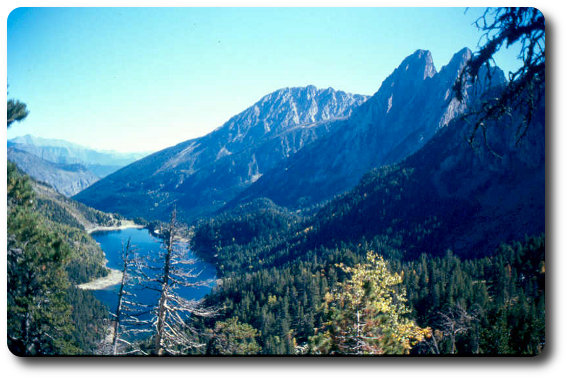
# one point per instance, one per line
(505, 27)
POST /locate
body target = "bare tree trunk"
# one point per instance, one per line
(434, 346)
(455, 322)
(26, 333)
(453, 340)
(173, 334)
(158, 343)
(118, 315)
(358, 334)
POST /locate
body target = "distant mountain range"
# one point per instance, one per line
(67, 179)
(100, 162)
(67, 167)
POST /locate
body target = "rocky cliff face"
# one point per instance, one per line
(202, 174)
(411, 105)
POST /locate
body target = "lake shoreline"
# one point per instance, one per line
(114, 228)
(147, 245)
(113, 278)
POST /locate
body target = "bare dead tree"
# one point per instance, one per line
(167, 319)
(173, 333)
(455, 321)
(121, 293)
(127, 324)
(128, 319)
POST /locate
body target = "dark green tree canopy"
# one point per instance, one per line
(17, 111)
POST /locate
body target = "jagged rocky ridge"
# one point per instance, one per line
(411, 105)
(201, 175)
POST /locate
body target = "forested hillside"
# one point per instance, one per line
(68, 211)
(281, 291)
(47, 314)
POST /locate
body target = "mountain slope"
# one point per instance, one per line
(450, 195)
(61, 209)
(68, 179)
(202, 174)
(412, 104)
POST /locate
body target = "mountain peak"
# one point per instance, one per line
(404, 81)
(291, 106)
(409, 74)
(458, 61)
(464, 52)
(419, 64)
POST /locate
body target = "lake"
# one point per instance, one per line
(144, 244)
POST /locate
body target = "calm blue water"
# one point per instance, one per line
(144, 244)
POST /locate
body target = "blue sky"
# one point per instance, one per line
(140, 79)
